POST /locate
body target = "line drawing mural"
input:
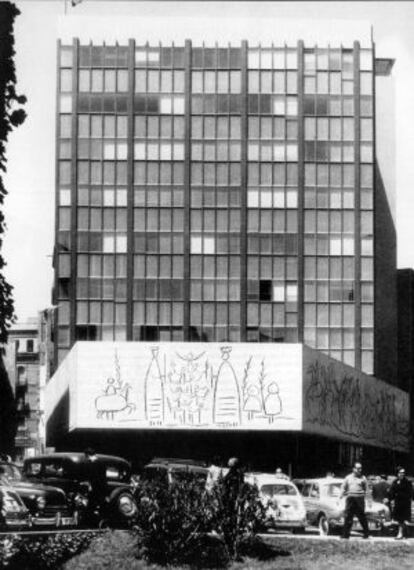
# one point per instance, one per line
(154, 390)
(351, 408)
(183, 388)
(226, 400)
(115, 397)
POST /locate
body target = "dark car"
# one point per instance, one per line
(14, 515)
(171, 470)
(47, 505)
(107, 500)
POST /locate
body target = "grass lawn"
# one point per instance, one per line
(116, 550)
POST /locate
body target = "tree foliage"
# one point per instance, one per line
(11, 116)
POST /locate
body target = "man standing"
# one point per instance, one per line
(354, 489)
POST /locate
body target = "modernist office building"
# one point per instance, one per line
(229, 193)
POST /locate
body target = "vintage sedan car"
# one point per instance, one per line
(71, 472)
(283, 502)
(47, 505)
(326, 510)
(14, 515)
(171, 470)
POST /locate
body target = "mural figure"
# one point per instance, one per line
(226, 400)
(154, 390)
(252, 404)
(188, 388)
(115, 397)
(273, 402)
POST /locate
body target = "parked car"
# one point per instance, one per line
(14, 515)
(47, 505)
(114, 504)
(326, 510)
(284, 505)
(171, 470)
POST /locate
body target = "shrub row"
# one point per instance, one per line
(19, 552)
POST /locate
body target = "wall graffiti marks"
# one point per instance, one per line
(351, 407)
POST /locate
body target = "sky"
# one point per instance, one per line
(30, 208)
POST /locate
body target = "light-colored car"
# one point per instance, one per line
(284, 505)
(326, 510)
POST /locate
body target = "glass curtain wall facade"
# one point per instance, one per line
(216, 194)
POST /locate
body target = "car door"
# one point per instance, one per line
(306, 494)
(314, 503)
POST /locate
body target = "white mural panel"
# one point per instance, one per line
(185, 385)
(343, 403)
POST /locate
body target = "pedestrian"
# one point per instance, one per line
(95, 474)
(354, 489)
(233, 480)
(279, 473)
(400, 494)
(380, 490)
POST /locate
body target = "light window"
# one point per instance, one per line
(278, 292)
(179, 105)
(121, 243)
(292, 106)
(140, 55)
(139, 151)
(109, 150)
(253, 199)
(366, 83)
(279, 152)
(278, 106)
(64, 198)
(66, 103)
(109, 244)
(166, 105)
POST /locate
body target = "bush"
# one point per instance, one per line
(172, 519)
(18, 552)
(183, 523)
(237, 518)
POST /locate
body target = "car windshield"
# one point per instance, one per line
(279, 489)
(186, 475)
(10, 472)
(46, 469)
(334, 490)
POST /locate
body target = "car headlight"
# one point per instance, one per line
(41, 503)
(127, 505)
(12, 506)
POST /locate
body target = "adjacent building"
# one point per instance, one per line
(23, 364)
(225, 193)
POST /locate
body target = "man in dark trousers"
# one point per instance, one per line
(354, 489)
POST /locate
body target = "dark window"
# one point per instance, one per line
(265, 290)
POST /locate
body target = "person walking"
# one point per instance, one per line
(354, 489)
(401, 493)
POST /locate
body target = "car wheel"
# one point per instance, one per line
(324, 526)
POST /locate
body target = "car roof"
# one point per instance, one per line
(177, 466)
(322, 480)
(269, 478)
(77, 457)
